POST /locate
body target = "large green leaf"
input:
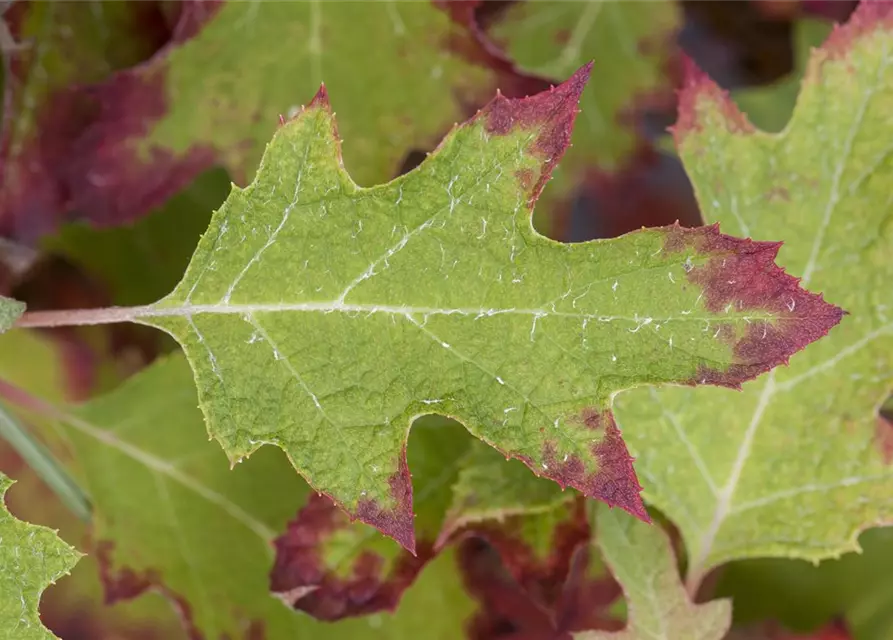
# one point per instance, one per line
(632, 45)
(323, 317)
(31, 559)
(797, 464)
(642, 560)
(10, 310)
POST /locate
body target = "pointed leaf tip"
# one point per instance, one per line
(698, 86)
(553, 112)
(321, 99)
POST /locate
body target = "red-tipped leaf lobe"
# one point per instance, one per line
(697, 86)
(613, 481)
(397, 521)
(301, 579)
(553, 111)
(868, 16)
(802, 317)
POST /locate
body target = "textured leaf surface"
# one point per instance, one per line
(323, 317)
(215, 98)
(174, 522)
(60, 44)
(642, 560)
(10, 310)
(798, 463)
(31, 559)
(631, 44)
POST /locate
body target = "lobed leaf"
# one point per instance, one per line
(323, 317)
(798, 463)
(642, 560)
(31, 559)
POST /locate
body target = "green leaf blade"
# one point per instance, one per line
(31, 559)
(322, 317)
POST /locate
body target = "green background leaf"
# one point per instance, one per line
(795, 466)
(642, 560)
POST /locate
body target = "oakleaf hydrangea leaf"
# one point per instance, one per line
(323, 317)
(632, 46)
(31, 559)
(642, 560)
(10, 310)
(798, 463)
(215, 95)
(170, 515)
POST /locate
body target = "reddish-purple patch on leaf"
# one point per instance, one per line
(697, 86)
(34, 196)
(125, 584)
(106, 175)
(396, 522)
(553, 111)
(507, 611)
(869, 16)
(613, 481)
(193, 16)
(301, 579)
(742, 273)
(542, 577)
(470, 42)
